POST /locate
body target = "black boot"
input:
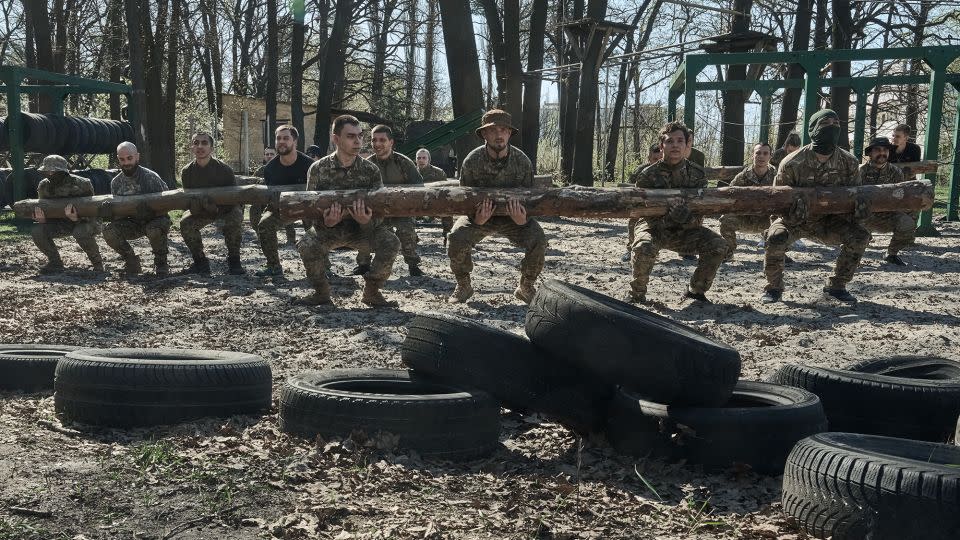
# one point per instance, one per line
(201, 265)
(234, 267)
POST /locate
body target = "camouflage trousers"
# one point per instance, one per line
(405, 229)
(119, 231)
(270, 223)
(648, 241)
(466, 234)
(902, 225)
(631, 224)
(256, 214)
(232, 220)
(84, 231)
(731, 223)
(315, 246)
(831, 230)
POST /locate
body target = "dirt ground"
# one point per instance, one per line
(241, 478)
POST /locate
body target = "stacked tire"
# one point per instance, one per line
(56, 134)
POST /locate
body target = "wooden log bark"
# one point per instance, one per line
(610, 202)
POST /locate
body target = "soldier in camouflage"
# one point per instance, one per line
(496, 164)
(430, 173)
(760, 173)
(135, 179)
(791, 145)
(354, 226)
(820, 163)
(654, 154)
(678, 230)
(60, 184)
(903, 225)
(205, 171)
(395, 170)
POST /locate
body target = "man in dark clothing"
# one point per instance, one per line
(206, 171)
(288, 168)
(904, 151)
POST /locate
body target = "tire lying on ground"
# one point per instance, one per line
(30, 367)
(435, 419)
(757, 427)
(624, 345)
(462, 352)
(850, 486)
(902, 396)
(145, 387)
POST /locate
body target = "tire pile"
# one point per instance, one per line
(64, 135)
(651, 386)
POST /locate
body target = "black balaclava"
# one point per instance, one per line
(825, 138)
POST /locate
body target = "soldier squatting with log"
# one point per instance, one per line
(501, 203)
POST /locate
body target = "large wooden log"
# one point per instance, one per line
(612, 202)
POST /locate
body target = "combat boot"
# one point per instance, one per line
(415, 270)
(373, 297)
(525, 290)
(201, 265)
(360, 270)
(320, 297)
(270, 271)
(131, 265)
(97, 262)
(234, 267)
(52, 267)
(160, 265)
(463, 291)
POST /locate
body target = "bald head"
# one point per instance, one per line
(129, 157)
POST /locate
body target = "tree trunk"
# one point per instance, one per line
(39, 30)
(530, 125)
(913, 101)
(138, 102)
(115, 25)
(513, 103)
(412, 38)
(791, 96)
(382, 21)
(429, 49)
(60, 36)
(732, 134)
(841, 38)
(272, 65)
(821, 34)
(333, 57)
(212, 39)
(296, 76)
(587, 102)
(463, 66)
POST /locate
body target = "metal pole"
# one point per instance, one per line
(15, 133)
(954, 200)
(672, 105)
(245, 144)
(765, 105)
(693, 69)
(860, 122)
(931, 139)
(811, 99)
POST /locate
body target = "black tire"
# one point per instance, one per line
(70, 146)
(910, 397)
(758, 427)
(435, 419)
(145, 387)
(6, 189)
(83, 139)
(34, 132)
(128, 133)
(4, 139)
(116, 132)
(848, 486)
(100, 179)
(30, 367)
(59, 133)
(462, 352)
(100, 136)
(624, 345)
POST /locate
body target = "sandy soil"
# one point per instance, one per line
(241, 478)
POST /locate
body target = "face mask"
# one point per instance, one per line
(825, 139)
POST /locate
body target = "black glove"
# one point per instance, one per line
(799, 211)
(678, 213)
(105, 210)
(143, 212)
(861, 208)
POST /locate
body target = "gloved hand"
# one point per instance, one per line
(861, 209)
(678, 213)
(799, 211)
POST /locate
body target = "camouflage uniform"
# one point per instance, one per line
(802, 169)
(314, 247)
(653, 234)
(85, 230)
(194, 220)
(482, 171)
(903, 225)
(731, 223)
(154, 227)
(398, 170)
(431, 173)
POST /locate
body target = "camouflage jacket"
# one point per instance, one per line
(431, 173)
(872, 176)
(143, 181)
(63, 186)
(481, 170)
(328, 174)
(748, 177)
(802, 169)
(397, 169)
(778, 156)
(660, 175)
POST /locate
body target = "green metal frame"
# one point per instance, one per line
(937, 58)
(12, 78)
(445, 134)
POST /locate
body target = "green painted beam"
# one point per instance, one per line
(944, 52)
(931, 141)
(678, 81)
(19, 73)
(771, 85)
(55, 88)
(953, 200)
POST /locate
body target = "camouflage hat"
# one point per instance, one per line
(496, 117)
(878, 142)
(54, 163)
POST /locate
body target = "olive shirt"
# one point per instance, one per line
(661, 175)
(397, 169)
(214, 174)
